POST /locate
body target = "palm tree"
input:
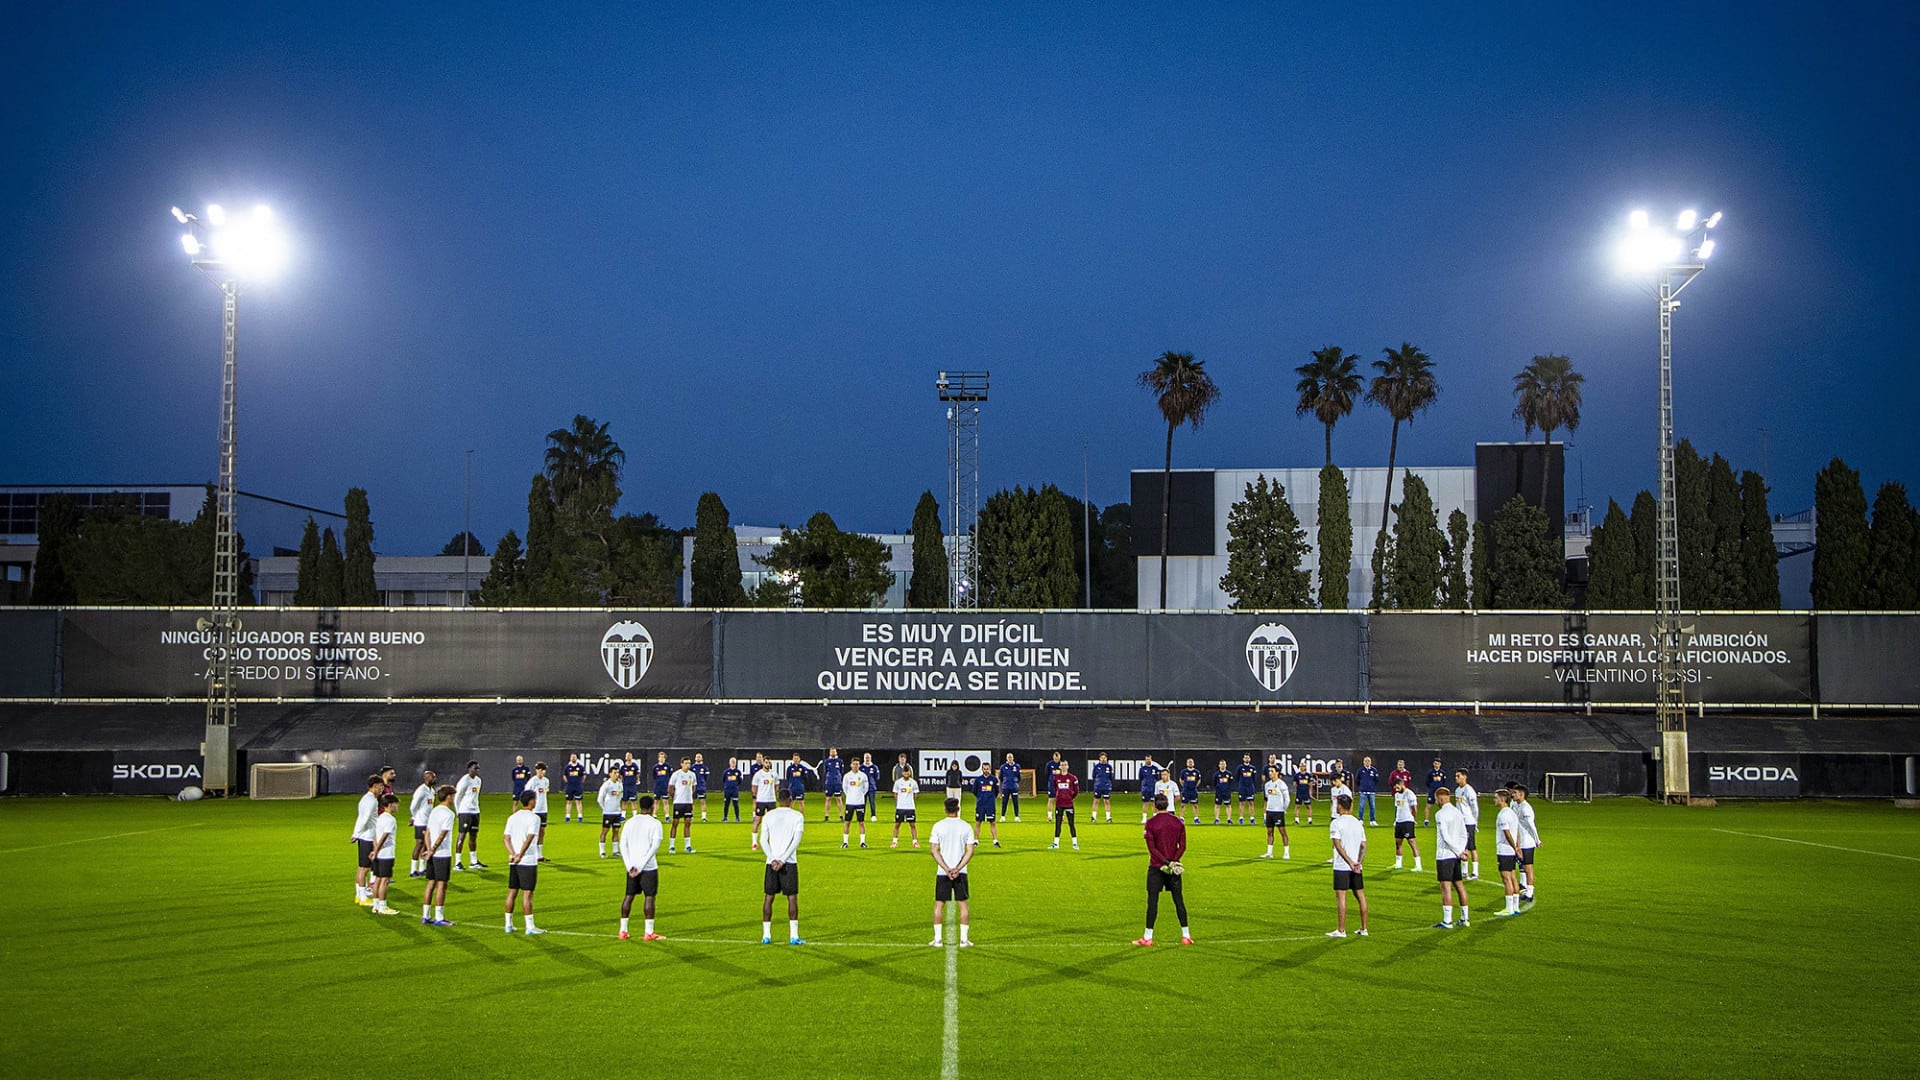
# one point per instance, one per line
(1404, 387)
(1185, 392)
(1547, 396)
(581, 456)
(1328, 385)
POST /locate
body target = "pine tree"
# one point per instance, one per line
(716, 556)
(503, 586)
(644, 563)
(52, 577)
(1026, 550)
(1840, 567)
(1695, 527)
(1384, 594)
(928, 587)
(1892, 540)
(1727, 571)
(306, 579)
(1418, 548)
(1116, 583)
(1335, 538)
(1611, 562)
(1759, 559)
(1646, 526)
(1525, 564)
(1265, 547)
(331, 574)
(553, 575)
(1459, 590)
(1482, 564)
(821, 566)
(359, 588)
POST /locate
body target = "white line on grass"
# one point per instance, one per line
(1810, 843)
(978, 944)
(950, 1031)
(91, 839)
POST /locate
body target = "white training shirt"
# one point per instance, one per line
(951, 837)
(1352, 835)
(1505, 823)
(1529, 832)
(466, 795)
(1170, 789)
(1404, 803)
(681, 784)
(766, 785)
(904, 789)
(1449, 832)
(538, 785)
(1339, 790)
(1468, 800)
(523, 827)
(383, 828)
(363, 816)
(441, 823)
(609, 798)
(421, 806)
(780, 832)
(855, 785)
(1277, 796)
(640, 842)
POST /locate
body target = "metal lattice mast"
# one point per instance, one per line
(963, 391)
(1670, 697)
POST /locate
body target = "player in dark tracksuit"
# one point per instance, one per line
(575, 778)
(1010, 788)
(1103, 787)
(1436, 778)
(1222, 792)
(730, 790)
(662, 792)
(1190, 790)
(1248, 774)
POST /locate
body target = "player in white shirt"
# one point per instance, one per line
(1405, 803)
(1349, 857)
(952, 843)
(681, 785)
(1277, 797)
(1468, 800)
(1529, 837)
(1449, 857)
(1169, 787)
(466, 803)
(540, 785)
(854, 789)
(442, 824)
(639, 844)
(384, 826)
(612, 800)
(522, 838)
(1506, 847)
(904, 789)
(417, 811)
(781, 830)
(363, 815)
(766, 793)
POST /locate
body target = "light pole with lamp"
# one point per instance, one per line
(232, 251)
(1676, 256)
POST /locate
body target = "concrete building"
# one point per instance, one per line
(758, 540)
(403, 580)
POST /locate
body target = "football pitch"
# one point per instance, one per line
(143, 937)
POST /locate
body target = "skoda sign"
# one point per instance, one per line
(626, 651)
(1272, 655)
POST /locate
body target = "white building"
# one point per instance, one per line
(403, 580)
(758, 540)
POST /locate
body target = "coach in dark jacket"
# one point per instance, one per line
(1166, 843)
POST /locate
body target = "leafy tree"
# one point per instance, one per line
(59, 526)
(645, 564)
(553, 574)
(306, 578)
(716, 556)
(1645, 521)
(1547, 396)
(1612, 562)
(1329, 384)
(1893, 579)
(1116, 579)
(1482, 565)
(331, 576)
(1458, 592)
(583, 468)
(1418, 548)
(1026, 550)
(200, 540)
(1840, 567)
(360, 591)
(1759, 559)
(1405, 388)
(1697, 586)
(504, 585)
(1265, 547)
(928, 586)
(1526, 568)
(822, 567)
(1335, 538)
(1726, 572)
(471, 545)
(1185, 392)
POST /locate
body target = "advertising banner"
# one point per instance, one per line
(1290, 656)
(27, 653)
(295, 653)
(1748, 776)
(154, 772)
(1868, 659)
(1575, 658)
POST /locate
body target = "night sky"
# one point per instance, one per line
(748, 237)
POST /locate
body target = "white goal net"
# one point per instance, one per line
(285, 781)
(1568, 787)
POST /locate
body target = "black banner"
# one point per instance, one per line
(1746, 776)
(1868, 659)
(155, 772)
(1301, 657)
(294, 653)
(1575, 658)
(27, 653)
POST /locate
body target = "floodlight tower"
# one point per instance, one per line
(963, 391)
(232, 251)
(1675, 257)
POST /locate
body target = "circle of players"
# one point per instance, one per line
(446, 826)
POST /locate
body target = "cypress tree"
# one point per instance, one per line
(716, 556)
(1482, 563)
(306, 580)
(1840, 567)
(539, 570)
(1727, 571)
(1265, 547)
(1525, 565)
(359, 589)
(331, 574)
(1891, 543)
(1760, 560)
(1646, 526)
(1335, 538)
(1383, 567)
(1459, 592)
(52, 577)
(1697, 585)
(928, 587)
(504, 585)
(1417, 548)
(1611, 562)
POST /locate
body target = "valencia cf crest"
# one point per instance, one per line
(626, 650)
(1272, 654)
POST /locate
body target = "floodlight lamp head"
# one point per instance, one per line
(216, 215)
(1713, 219)
(240, 247)
(181, 216)
(1705, 250)
(1637, 221)
(1687, 220)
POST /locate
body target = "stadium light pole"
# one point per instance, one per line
(1674, 257)
(232, 250)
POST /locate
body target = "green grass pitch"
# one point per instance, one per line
(141, 937)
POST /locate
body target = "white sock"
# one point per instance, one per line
(426, 911)
(766, 929)
(509, 920)
(1286, 851)
(963, 931)
(359, 892)
(529, 921)
(1397, 863)
(938, 933)
(1184, 932)
(1416, 862)
(603, 849)
(1269, 851)
(439, 912)
(1148, 936)
(1446, 912)
(649, 926)
(1464, 917)
(623, 926)
(793, 928)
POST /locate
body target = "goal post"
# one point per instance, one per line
(284, 780)
(1568, 787)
